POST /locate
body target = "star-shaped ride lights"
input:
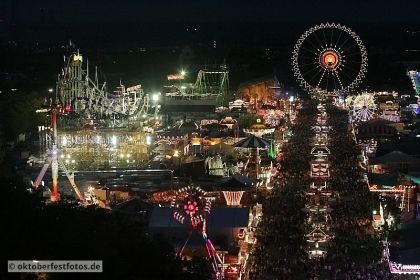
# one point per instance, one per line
(191, 208)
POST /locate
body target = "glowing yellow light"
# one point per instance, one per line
(77, 57)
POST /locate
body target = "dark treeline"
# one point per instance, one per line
(145, 53)
(33, 231)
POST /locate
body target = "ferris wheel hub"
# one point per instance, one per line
(330, 59)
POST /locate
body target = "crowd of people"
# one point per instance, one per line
(355, 251)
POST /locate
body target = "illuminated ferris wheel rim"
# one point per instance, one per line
(329, 52)
(361, 100)
(362, 107)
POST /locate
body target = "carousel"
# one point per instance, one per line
(229, 122)
(253, 168)
(259, 129)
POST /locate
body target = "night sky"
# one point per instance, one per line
(241, 28)
(131, 11)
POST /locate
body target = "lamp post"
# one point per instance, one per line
(155, 99)
(181, 79)
(148, 141)
(178, 158)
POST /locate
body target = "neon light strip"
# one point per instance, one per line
(233, 198)
(404, 268)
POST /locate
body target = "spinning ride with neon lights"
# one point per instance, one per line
(259, 129)
(254, 144)
(191, 208)
(329, 58)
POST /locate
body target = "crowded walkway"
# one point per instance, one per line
(354, 252)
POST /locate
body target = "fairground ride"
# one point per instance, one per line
(210, 90)
(87, 98)
(54, 160)
(361, 107)
(329, 58)
(208, 83)
(190, 208)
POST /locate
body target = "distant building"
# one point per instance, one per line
(405, 144)
(394, 161)
(376, 129)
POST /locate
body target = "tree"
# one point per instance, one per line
(18, 114)
(32, 230)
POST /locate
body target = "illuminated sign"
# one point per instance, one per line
(77, 57)
(206, 122)
(134, 88)
(175, 77)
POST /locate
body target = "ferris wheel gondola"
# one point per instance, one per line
(329, 58)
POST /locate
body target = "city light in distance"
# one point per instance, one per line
(176, 153)
(148, 140)
(114, 140)
(155, 97)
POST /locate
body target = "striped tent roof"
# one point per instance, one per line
(236, 182)
(252, 142)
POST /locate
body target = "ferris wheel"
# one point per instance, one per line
(329, 58)
(362, 107)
